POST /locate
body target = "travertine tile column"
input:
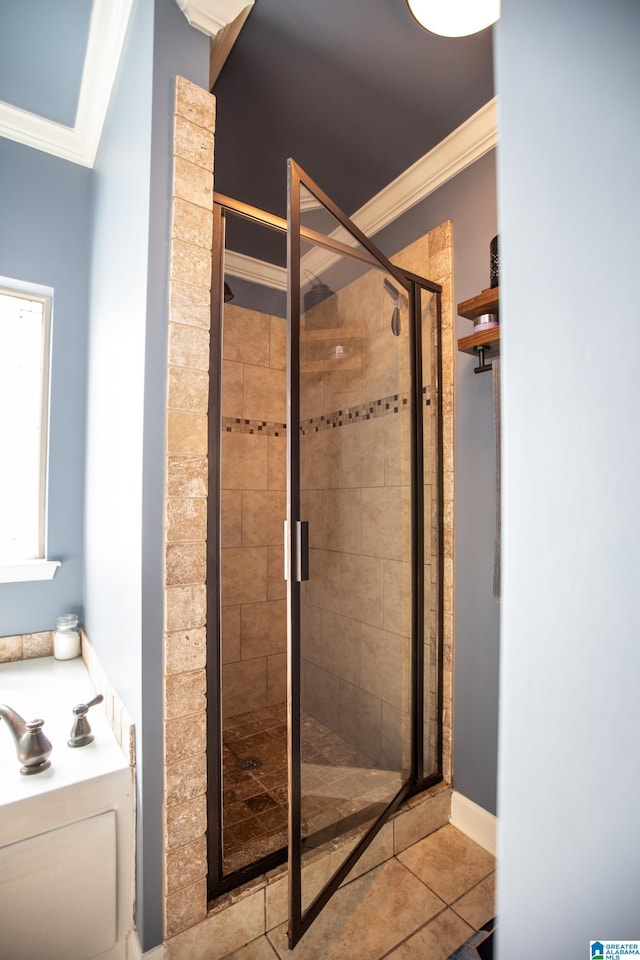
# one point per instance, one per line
(432, 256)
(186, 510)
(441, 270)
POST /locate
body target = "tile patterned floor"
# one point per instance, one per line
(426, 902)
(341, 786)
(254, 800)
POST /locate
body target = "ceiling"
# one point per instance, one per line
(58, 62)
(358, 94)
(354, 90)
(33, 74)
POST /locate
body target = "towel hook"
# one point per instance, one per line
(482, 367)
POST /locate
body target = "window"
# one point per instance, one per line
(24, 393)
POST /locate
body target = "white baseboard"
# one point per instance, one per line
(134, 950)
(474, 821)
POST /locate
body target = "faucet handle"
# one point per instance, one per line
(82, 708)
(81, 731)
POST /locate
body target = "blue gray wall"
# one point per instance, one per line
(569, 780)
(45, 239)
(469, 200)
(127, 360)
(113, 543)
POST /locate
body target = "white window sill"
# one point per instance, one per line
(23, 570)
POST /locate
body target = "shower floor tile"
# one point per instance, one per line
(341, 786)
(254, 799)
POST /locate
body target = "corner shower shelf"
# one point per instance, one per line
(485, 343)
(329, 337)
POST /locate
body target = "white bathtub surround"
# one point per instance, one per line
(474, 821)
(67, 834)
(115, 711)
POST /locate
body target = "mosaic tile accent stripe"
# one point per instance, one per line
(370, 410)
(240, 425)
(362, 411)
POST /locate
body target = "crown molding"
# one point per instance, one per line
(35, 131)
(107, 33)
(107, 29)
(254, 270)
(468, 142)
(222, 20)
(213, 16)
(222, 43)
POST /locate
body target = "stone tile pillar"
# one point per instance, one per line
(185, 526)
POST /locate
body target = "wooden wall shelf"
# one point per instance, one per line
(486, 302)
(489, 339)
(484, 344)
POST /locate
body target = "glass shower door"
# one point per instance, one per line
(350, 543)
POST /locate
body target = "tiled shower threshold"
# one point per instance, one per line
(258, 907)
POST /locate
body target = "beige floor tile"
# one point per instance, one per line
(221, 933)
(365, 919)
(259, 949)
(478, 906)
(448, 862)
(437, 940)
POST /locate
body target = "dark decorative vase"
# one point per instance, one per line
(494, 263)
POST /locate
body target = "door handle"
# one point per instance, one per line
(286, 550)
(302, 550)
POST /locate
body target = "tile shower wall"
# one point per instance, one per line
(253, 508)
(355, 495)
(355, 453)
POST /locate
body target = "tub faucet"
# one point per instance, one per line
(32, 746)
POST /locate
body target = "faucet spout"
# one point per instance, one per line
(32, 747)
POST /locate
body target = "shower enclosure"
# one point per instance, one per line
(324, 544)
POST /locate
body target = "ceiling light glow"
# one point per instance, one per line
(455, 18)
